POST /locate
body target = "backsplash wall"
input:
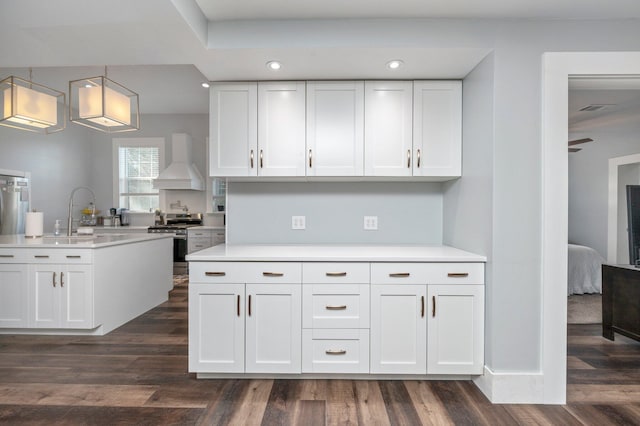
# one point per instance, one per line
(408, 212)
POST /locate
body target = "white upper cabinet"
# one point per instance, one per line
(437, 128)
(233, 133)
(388, 127)
(281, 129)
(335, 128)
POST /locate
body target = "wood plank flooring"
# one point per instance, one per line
(137, 375)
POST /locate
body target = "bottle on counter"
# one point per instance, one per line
(56, 228)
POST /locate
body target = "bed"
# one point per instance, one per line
(584, 270)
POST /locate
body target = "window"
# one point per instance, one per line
(137, 161)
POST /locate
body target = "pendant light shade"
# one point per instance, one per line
(103, 104)
(30, 106)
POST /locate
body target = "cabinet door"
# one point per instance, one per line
(398, 329)
(233, 132)
(335, 128)
(388, 127)
(274, 328)
(44, 282)
(216, 328)
(14, 305)
(437, 128)
(76, 296)
(281, 129)
(455, 329)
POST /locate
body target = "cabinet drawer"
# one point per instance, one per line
(245, 272)
(12, 255)
(199, 234)
(335, 351)
(59, 256)
(218, 238)
(335, 273)
(330, 306)
(427, 273)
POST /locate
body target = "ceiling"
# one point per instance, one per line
(164, 49)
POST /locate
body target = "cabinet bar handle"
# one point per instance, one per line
(422, 309)
(336, 274)
(310, 159)
(336, 307)
(335, 351)
(458, 274)
(61, 279)
(54, 279)
(215, 274)
(261, 158)
(41, 256)
(272, 274)
(73, 257)
(400, 275)
(418, 159)
(6, 255)
(433, 310)
(408, 159)
(249, 305)
(251, 157)
(238, 305)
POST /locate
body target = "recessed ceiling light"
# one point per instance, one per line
(274, 65)
(205, 85)
(394, 64)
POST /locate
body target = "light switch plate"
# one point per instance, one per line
(371, 223)
(298, 222)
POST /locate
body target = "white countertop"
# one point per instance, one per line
(334, 253)
(82, 241)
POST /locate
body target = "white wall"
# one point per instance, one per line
(408, 212)
(589, 184)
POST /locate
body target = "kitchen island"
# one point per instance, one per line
(331, 311)
(86, 285)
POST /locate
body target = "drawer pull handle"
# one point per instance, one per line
(6, 255)
(433, 311)
(336, 307)
(422, 309)
(41, 256)
(249, 305)
(54, 279)
(251, 159)
(238, 305)
(261, 159)
(61, 279)
(310, 159)
(418, 158)
(458, 274)
(408, 159)
(335, 352)
(272, 274)
(400, 275)
(215, 274)
(336, 274)
(73, 257)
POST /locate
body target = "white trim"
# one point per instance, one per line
(612, 233)
(511, 388)
(158, 142)
(557, 67)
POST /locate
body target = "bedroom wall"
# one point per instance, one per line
(589, 182)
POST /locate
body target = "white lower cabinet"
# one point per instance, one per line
(455, 329)
(14, 303)
(244, 328)
(62, 296)
(398, 329)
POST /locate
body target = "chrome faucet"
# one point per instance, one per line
(70, 218)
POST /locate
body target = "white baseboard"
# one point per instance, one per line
(511, 388)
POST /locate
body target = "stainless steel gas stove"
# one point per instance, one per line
(177, 224)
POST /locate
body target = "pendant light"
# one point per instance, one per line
(103, 104)
(31, 106)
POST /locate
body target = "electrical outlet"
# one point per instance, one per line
(371, 223)
(298, 222)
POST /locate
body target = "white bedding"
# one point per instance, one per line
(585, 270)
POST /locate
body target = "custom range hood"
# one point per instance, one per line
(181, 173)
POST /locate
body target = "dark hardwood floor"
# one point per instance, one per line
(137, 375)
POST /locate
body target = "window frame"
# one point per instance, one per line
(154, 142)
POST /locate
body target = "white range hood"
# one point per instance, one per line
(181, 173)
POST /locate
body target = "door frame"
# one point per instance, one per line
(557, 68)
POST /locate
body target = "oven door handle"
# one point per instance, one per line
(179, 237)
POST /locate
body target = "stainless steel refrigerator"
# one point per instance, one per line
(14, 204)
